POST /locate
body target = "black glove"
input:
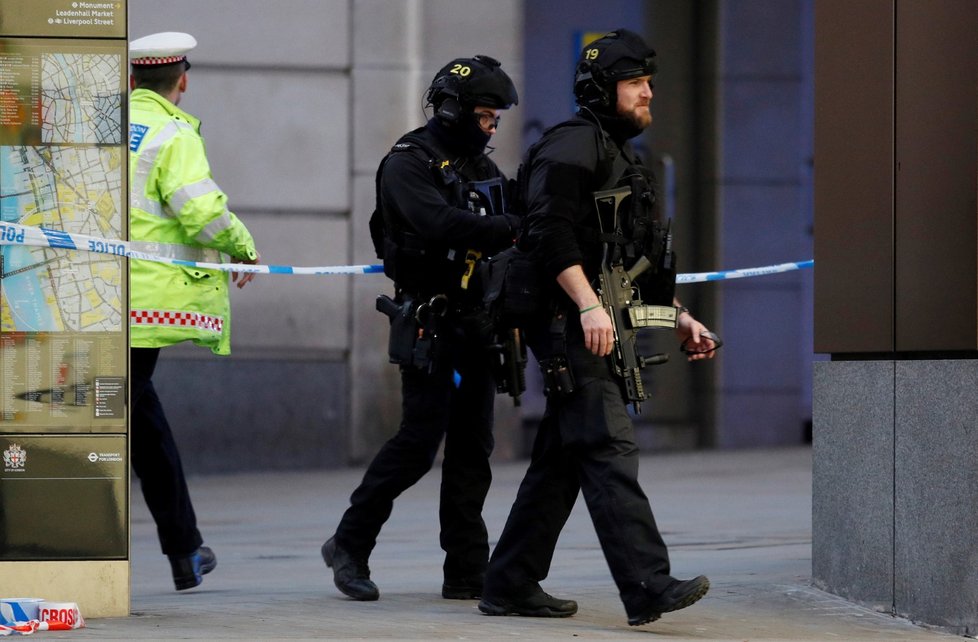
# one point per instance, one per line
(508, 227)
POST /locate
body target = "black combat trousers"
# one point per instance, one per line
(585, 442)
(433, 407)
(156, 461)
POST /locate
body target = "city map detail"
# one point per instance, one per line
(71, 189)
(80, 99)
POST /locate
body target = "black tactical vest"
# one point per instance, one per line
(416, 264)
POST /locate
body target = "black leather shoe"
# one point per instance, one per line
(466, 588)
(679, 595)
(187, 570)
(351, 575)
(538, 604)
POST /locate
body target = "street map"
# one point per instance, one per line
(80, 98)
(70, 189)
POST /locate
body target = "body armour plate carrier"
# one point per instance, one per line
(409, 260)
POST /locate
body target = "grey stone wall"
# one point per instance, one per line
(271, 85)
(894, 517)
(852, 480)
(260, 413)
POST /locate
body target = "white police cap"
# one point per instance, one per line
(164, 48)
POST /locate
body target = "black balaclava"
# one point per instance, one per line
(464, 138)
(456, 90)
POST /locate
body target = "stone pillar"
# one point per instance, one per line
(896, 306)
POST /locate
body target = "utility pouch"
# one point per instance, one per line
(515, 287)
(422, 353)
(558, 379)
(509, 364)
(427, 344)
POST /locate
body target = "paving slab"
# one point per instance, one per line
(743, 518)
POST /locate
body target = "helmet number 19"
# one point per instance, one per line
(591, 54)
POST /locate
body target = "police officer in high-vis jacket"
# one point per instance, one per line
(441, 212)
(176, 211)
(585, 443)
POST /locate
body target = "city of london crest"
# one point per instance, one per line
(14, 457)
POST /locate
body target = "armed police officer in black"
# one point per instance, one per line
(585, 441)
(440, 213)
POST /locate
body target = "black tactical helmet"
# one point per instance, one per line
(466, 82)
(619, 55)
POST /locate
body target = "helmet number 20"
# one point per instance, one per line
(461, 70)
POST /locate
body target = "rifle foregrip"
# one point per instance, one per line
(655, 359)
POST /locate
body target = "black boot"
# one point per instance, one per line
(351, 575)
(536, 604)
(679, 595)
(188, 569)
(463, 588)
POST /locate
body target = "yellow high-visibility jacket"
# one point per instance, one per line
(178, 211)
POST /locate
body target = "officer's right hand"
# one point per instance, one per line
(243, 278)
(599, 336)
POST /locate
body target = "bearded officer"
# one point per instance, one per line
(585, 443)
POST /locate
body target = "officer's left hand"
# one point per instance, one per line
(243, 278)
(698, 346)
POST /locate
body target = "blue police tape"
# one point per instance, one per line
(16, 234)
(702, 277)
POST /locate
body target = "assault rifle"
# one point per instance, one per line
(620, 297)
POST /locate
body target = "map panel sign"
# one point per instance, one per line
(64, 18)
(63, 167)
